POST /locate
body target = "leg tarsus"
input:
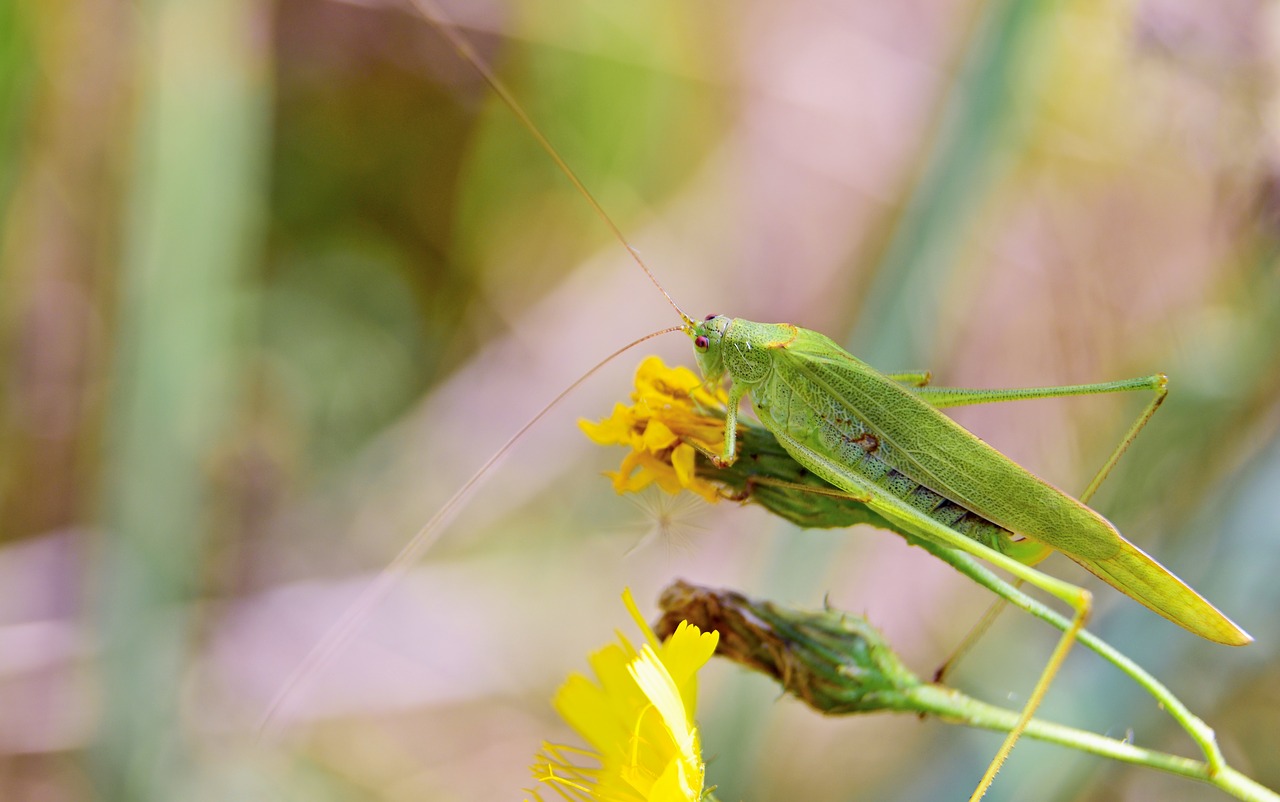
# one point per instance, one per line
(1158, 383)
(742, 496)
(912, 378)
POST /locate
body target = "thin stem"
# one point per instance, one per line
(1200, 732)
(953, 705)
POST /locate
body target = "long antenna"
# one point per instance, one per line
(320, 655)
(432, 12)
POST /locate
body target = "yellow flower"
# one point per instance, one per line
(638, 718)
(672, 410)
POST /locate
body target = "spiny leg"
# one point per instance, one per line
(943, 397)
(729, 454)
(1158, 383)
(913, 378)
(1082, 602)
(1161, 389)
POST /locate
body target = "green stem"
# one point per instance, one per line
(1200, 732)
(839, 664)
(955, 706)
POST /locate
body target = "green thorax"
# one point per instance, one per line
(739, 347)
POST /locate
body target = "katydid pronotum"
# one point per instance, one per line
(899, 433)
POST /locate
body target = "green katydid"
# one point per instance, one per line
(883, 445)
(886, 446)
(859, 429)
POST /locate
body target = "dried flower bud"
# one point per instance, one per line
(834, 662)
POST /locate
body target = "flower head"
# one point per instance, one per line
(672, 409)
(637, 717)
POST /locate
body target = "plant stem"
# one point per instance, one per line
(954, 706)
(1200, 732)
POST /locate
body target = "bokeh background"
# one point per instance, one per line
(275, 278)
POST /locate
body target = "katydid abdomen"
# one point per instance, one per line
(855, 445)
(876, 440)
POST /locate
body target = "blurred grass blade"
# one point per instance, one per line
(897, 319)
(194, 202)
(17, 65)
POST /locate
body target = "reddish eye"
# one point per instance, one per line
(708, 317)
(700, 342)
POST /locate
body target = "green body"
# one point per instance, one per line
(881, 443)
(768, 475)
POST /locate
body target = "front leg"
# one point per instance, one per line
(729, 455)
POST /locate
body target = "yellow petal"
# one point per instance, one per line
(637, 719)
(629, 602)
(652, 676)
(649, 373)
(682, 459)
(585, 707)
(612, 430)
(684, 654)
(676, 784)
(658, 437)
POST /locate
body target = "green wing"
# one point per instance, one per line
(823, 383)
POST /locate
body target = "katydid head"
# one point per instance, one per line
(707, 337)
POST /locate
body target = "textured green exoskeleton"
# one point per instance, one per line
(882, 444)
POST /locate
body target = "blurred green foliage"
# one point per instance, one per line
(275, 278)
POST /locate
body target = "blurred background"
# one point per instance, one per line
(275, 278)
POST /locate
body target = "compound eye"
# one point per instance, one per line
(700, 342)
(708, 317)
